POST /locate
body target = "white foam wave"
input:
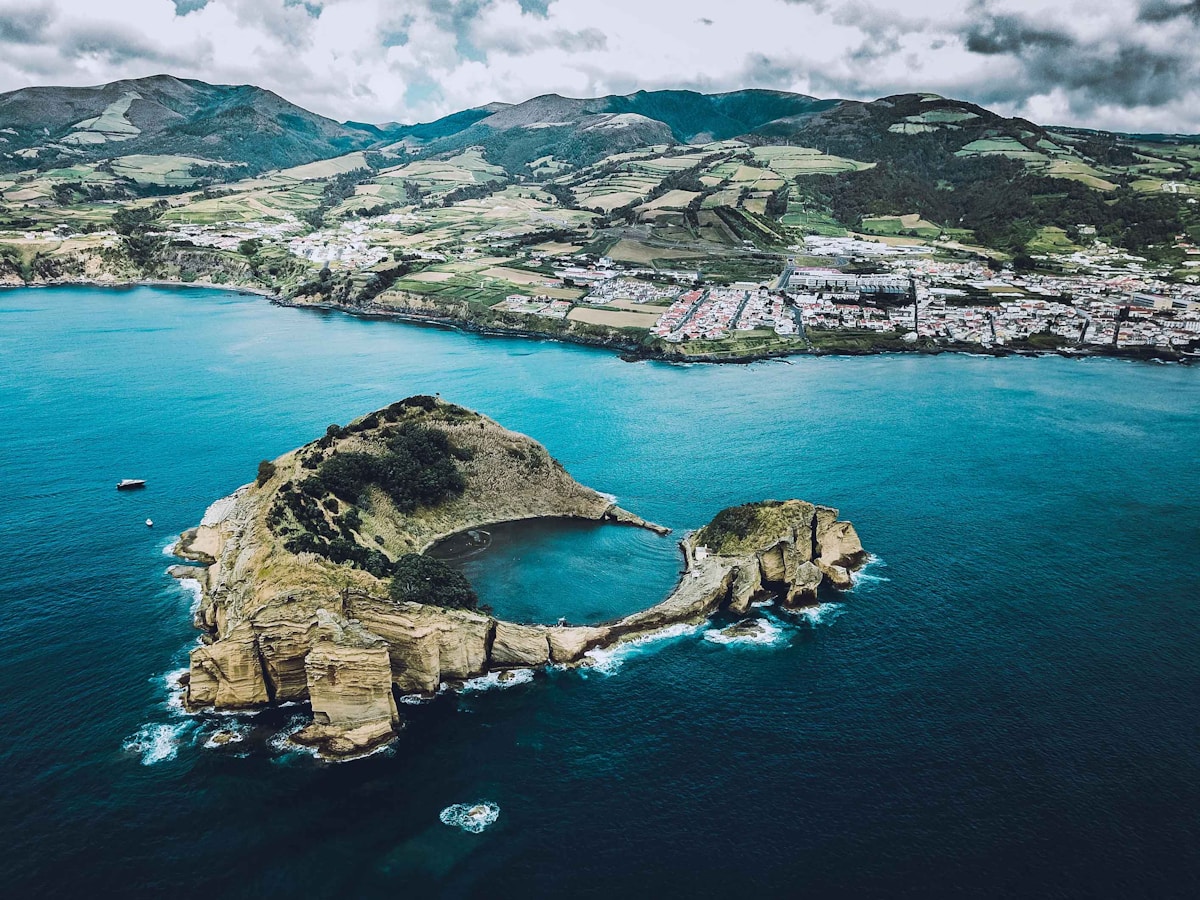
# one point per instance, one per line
(414, 699)
(762, 632)
(192, 586)
(175, 691)
(231, 734)
(865, 575)
(608, 660)
(611, 498)
(472, 817)
(821, 614)
(281, 742)
(498, 680)
(169, 549)
(235, 713)
(157, 742)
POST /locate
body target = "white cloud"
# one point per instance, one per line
(1129, 64)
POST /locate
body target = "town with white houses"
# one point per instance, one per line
(918, 297)
(1104, 298)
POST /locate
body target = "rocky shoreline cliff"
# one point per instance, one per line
(284, 619)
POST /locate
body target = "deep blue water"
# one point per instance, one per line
(1008, 706)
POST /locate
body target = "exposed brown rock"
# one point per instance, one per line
(802, 590)
(283, 646)
(519, 645)
(568, 644)
(228, 674)
(747, 587)
(839, 546)
(350, 687)
(838, 576)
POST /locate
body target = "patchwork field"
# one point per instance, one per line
(792, 161)
(627, 250)
(325, 168)
(614, 318)
(895, 225)
(671, 200)
(162, 170)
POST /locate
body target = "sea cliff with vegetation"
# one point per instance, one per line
(316, 585)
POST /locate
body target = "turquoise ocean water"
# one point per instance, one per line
(1007, 704)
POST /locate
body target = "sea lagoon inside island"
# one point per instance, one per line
(316, 587)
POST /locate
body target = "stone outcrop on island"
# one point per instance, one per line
(295, 582)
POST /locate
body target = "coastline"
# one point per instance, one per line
(629, 351)
(348, 650)
(636, 352)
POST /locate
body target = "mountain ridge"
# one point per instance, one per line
(254, 127)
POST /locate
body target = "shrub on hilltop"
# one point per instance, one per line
(138, 227)
(266, 471)
(728, 526)
(413, 464)
(739, 529)
(422, 579)
(417, 468)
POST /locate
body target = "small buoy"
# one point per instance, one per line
(149, 523)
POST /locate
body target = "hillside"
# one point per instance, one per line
(485, 216)
(582, 131)
(162, 114)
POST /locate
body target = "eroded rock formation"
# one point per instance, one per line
(280, 625)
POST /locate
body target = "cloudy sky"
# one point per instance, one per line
(1122, 64)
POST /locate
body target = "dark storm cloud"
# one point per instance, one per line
(1167, 10)
(1117, 68)
(1012, 34)
(116, 46)
(1129, 76)
(25, 23)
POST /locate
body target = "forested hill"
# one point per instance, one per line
(162, 114)
(948, 168)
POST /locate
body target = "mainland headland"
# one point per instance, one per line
(666, 224)
(316, 584)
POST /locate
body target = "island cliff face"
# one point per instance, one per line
(295, 581)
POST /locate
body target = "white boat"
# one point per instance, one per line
(149, 523)
(129, 484)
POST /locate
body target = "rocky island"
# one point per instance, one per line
(315, 584)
